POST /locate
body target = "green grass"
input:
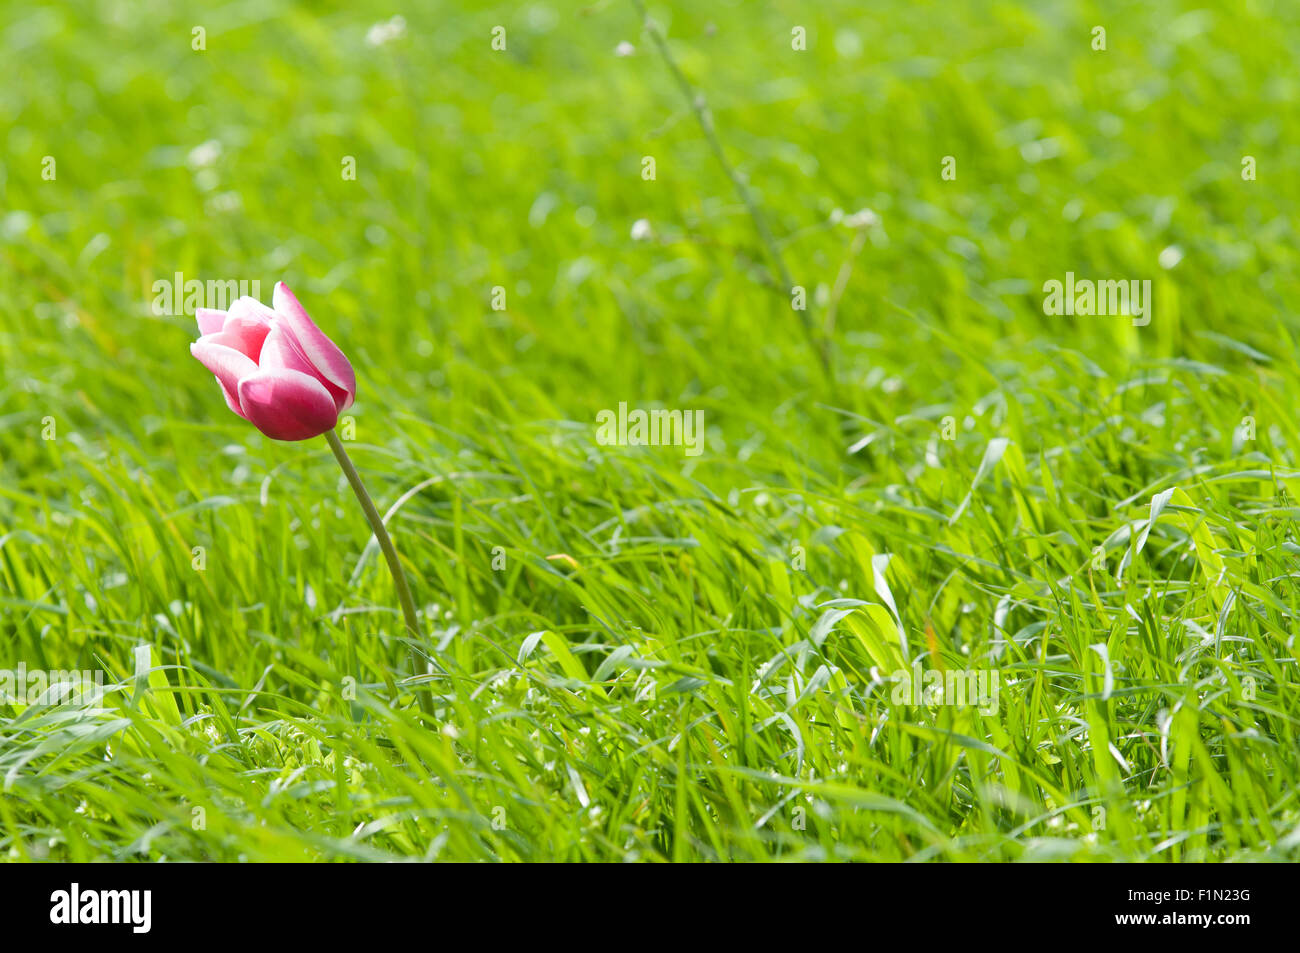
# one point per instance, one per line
(681, 657)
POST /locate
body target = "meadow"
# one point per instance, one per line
(911, 473)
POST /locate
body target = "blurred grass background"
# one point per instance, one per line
(521, 168)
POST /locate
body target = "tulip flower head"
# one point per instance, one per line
(277, 370)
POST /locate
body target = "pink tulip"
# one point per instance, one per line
(284, 376)
(276, 368)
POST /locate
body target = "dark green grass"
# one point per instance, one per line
(682, 656)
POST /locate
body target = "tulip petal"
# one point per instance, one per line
(210, 320)
(228, 364)
(252, 309)
(246, 333)
(287, 405)
(232, 401)
(315, 346)
(282, 350)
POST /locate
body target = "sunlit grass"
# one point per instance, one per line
(640, 654)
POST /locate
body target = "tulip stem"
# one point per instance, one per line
(390, 554)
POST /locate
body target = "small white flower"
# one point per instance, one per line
(1170, 257)
(862, 218)
(225, 202)
(641, 230)
(385, 31)
(624, 49)
(203, 155)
